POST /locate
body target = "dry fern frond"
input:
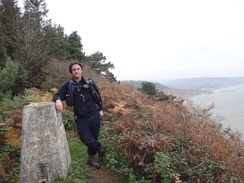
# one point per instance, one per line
(8, 163)
(47, 97)
(2, 172)
(2, 124)
(13, 137)
(54, 90)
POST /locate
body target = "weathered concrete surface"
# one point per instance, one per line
(45, 153)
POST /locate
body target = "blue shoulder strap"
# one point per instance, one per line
(73, 85)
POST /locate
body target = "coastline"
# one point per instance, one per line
(184, 94)
(188, 94)
(229, 104)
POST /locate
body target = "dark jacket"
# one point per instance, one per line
(83, 101)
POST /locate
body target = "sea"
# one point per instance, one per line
(229, 103)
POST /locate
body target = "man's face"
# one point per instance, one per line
(76, 71)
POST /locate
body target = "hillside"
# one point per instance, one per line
(166, 141)
(137, 84)
(204, 83)
(180, 93)
(185, 88)
(146, 141)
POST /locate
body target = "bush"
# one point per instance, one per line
(12, 78)
(68, 120)
(148, 88)
(165, 142)
(115, 159)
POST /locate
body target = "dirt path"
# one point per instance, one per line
(101, 175)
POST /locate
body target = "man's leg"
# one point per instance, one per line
(95, 127)
(85, 131)
(88, 134)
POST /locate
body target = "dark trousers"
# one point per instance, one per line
(88, 130)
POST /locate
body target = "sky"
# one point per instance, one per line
(159, 39)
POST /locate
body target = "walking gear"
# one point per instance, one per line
(91, 161)
(89, 85)
(94, 93)
(101, 154)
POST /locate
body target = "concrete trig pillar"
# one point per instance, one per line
(45, 153)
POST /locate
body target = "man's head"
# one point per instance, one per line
(75, 69)
(74, 63)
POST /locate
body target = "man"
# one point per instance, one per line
(87, 112)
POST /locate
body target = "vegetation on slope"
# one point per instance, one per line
(146, 140)
(161, 142)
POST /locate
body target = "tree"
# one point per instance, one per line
(2, 52)
(110, 77)
(12, 78)
(10, 13)
(160, 96)
(57, 42)
(148, 88)
(31, 49)
(97, 61)
(75, 47)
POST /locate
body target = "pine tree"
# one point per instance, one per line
(10, 14)
(97, 61)
(148, 88)
(110, 77)
(75, 47)
(57, 42)
(12, 78)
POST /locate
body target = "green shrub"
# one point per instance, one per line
(164, 166)
(13, 176)
(15, 103)
(115, 159)
(12, 78)
(68, 120)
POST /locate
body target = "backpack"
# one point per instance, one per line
(73, 85)
(95, 95)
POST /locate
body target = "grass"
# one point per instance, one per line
(77, 170)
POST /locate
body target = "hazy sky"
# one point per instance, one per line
(159, 39)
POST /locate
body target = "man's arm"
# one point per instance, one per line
(60, 95)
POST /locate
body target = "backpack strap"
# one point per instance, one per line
(94, 93)
(69, 95)
(72, 86)
(88, 81)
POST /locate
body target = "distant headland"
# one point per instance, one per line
(188, 87)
